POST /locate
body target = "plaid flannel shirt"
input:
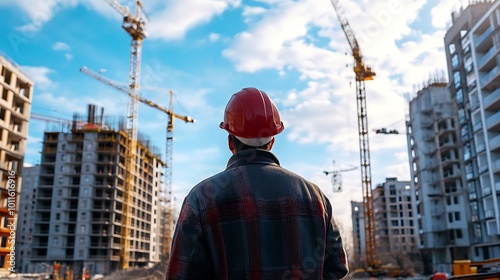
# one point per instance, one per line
(256, 220)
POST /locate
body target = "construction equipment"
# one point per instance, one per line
(362, 73)
(135, 25)
(169, 146)
(337, 176)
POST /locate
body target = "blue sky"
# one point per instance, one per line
(204, 51)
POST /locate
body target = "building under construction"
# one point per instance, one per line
(15, 106)
(79, 201)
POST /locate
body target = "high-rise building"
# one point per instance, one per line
(436, 176)
(25, 220)
(395, 220)
(15, 106)
(472, 47)
(80, 197)
(358, 230)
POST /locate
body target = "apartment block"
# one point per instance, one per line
(395, 220)
(25, 221)
(15, 106)
(79, 200)
(436, 176)
(472, 47)
(358, 230)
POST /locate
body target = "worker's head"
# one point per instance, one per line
(252, 120)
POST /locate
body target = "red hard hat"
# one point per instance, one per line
(250, 113)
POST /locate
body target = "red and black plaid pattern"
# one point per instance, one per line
(256, 220)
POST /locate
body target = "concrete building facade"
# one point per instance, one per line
(25, 221)
(436, 176)
(358, 232)
(395, 220)
(15, 106)
(79, 200)
(472, 47)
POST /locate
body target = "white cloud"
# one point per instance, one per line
(441, 13)
(213, 37)
(39, 75)
(38, 11)
(60, 46)
(68, 56)
(177, 18)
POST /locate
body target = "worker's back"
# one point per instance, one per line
(261, 221)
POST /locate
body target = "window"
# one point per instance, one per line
(5, 93)
(457, 79)
(82, 229)
(56, 228)
(452, 48)
(469, 174)
(465, 132)
(457, 216)
(2, 114)
(58, 216)
(467, 151)
(461, 115)
(454, 61)
(55, 241)
(459, 95)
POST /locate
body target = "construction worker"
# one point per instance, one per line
(255, 219)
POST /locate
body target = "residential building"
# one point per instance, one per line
(79, 199)
(395, 220)
(15, 105)
(358, 231)
(472, 47)
(25, 220)
(436, 177)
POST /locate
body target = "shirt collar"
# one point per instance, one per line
(252, 156)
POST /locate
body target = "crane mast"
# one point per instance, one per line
(362, 73)
(167, 192)
(135, 26)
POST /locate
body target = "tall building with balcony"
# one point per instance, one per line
(15, 106)
(436, 176)
(395, 221)
(79, 200)
(472, 46)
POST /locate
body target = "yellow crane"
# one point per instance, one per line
(169, 147)
(363, 73)
(135, 25)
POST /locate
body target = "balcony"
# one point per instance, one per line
(480, 148)
(487, 60)
(495, 144)
(492, 101)
(482, 37)
(493, 122)
(490, 78)
(489, 214)
(477, 127)
(486, 191)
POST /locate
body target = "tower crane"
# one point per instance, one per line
(337, 177)
(135, 25)
(169, 145)
(362, 73)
